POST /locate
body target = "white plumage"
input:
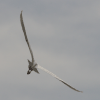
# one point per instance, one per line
(32, 65)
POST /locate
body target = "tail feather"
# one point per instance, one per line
(35, 69)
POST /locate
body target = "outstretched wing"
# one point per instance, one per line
(23, 28)
(57, 78)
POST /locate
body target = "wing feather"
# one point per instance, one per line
(57, 78)
(24, 31)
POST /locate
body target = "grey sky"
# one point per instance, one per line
(65, 38)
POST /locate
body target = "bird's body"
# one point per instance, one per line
(33, 65)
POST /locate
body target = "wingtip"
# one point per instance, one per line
(80, 91)
(21, 11)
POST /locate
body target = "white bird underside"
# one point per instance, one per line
(38, 66)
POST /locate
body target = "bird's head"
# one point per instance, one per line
(29, 71)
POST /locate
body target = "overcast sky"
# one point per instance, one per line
(65, 38)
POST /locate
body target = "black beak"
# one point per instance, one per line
(28, 72)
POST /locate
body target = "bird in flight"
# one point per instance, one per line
(32, 64)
